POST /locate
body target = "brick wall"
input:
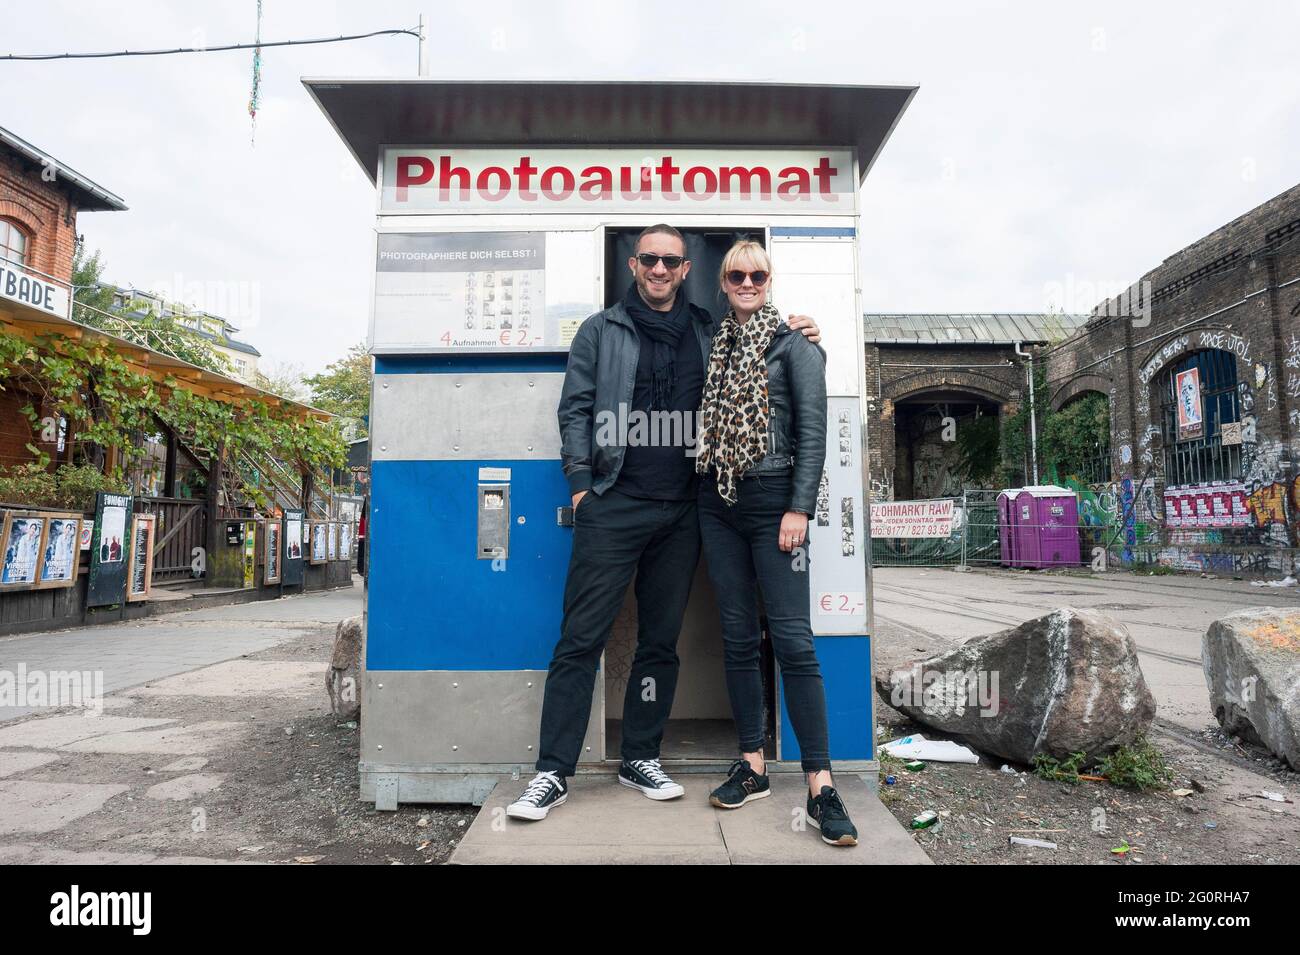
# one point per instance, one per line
(43, 210)
(1237, 291)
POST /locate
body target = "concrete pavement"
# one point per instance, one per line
(130, 654)
(919, 610)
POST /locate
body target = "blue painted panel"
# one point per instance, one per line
(469, 365)
(846, 671)
(431, 604)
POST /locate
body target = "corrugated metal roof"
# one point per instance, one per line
(988, 328)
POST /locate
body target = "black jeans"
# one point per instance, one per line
(741, 550)
(613, 536)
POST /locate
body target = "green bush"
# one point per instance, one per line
(73, 488)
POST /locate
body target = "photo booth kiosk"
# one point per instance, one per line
(506, 215)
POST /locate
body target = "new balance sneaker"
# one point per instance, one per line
(742, 785)
(544, 793)
(826, 811)
(647, 776)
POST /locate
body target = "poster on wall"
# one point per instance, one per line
(59, 564)
(249, 555)
(912, 518)
(332, 541)
(319, 548)
(272, 573)
(24, 542)
(345, 541)
(294, 538)
(87, 534)
(1187, 384)
(140, 578)
(108, 550)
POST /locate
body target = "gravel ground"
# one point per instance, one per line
(1223, 820)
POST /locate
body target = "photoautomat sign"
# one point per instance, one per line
(463, 289)
(655, 181)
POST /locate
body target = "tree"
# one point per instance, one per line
(93, 305)
(283, 379)
(343, 389)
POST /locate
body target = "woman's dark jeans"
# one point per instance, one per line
(741, 548)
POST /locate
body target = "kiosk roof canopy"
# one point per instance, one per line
(371, 113)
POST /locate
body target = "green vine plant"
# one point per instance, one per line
(109, 406)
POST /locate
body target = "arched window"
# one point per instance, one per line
(13, 243)
(1198, 396)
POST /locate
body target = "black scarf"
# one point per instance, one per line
(665, 330)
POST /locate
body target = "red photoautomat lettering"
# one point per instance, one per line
(445, 173)
(483, 184)
(524, 172)
(527, 182)
(412, 171)
(597, 183)
(566, 179)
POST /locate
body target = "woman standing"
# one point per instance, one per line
(762, 445)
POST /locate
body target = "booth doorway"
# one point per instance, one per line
(700, 727)
(705, 249)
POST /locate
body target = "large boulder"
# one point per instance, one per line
(1065, 683)
(1252, 667)
(343, 678)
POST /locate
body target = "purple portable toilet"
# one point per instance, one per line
(1006, 525)
(1046, 522)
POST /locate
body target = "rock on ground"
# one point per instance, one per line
(343, 678)
(1252, 667)
(1064, 683)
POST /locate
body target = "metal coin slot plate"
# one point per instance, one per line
(493, 521)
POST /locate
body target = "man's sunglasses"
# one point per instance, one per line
(737, 278)
(650, 261)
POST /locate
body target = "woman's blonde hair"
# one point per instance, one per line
(745, 249)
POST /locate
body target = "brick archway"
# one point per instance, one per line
(1079, 385)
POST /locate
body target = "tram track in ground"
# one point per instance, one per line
(1008, 621)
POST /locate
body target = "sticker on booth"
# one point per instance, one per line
(463, 289)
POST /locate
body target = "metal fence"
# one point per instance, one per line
(974, 538)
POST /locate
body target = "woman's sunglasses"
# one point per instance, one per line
(737, 278)
(649, 260)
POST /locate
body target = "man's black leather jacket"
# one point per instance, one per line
(601, 375)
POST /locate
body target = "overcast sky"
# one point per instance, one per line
(1050, 156)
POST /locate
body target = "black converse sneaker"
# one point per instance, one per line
(647, 776)
(742, 785)
(827, 813)
(544, 793)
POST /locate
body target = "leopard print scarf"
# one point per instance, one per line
(734, 410)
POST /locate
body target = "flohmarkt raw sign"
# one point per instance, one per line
(912, 518)
(497, 181)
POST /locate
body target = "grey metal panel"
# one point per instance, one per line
(466, 417)
(420, 720)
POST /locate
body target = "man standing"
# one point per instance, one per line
(630, 367)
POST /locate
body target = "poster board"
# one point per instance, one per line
(345, 541)
(332, 541)
(109, 549)
(319, 546)
(24, 547)
(273, 554)
(295, 540)
(249, 555)
(140, 576)
(61, 555)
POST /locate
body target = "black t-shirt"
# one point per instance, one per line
(655, 464)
